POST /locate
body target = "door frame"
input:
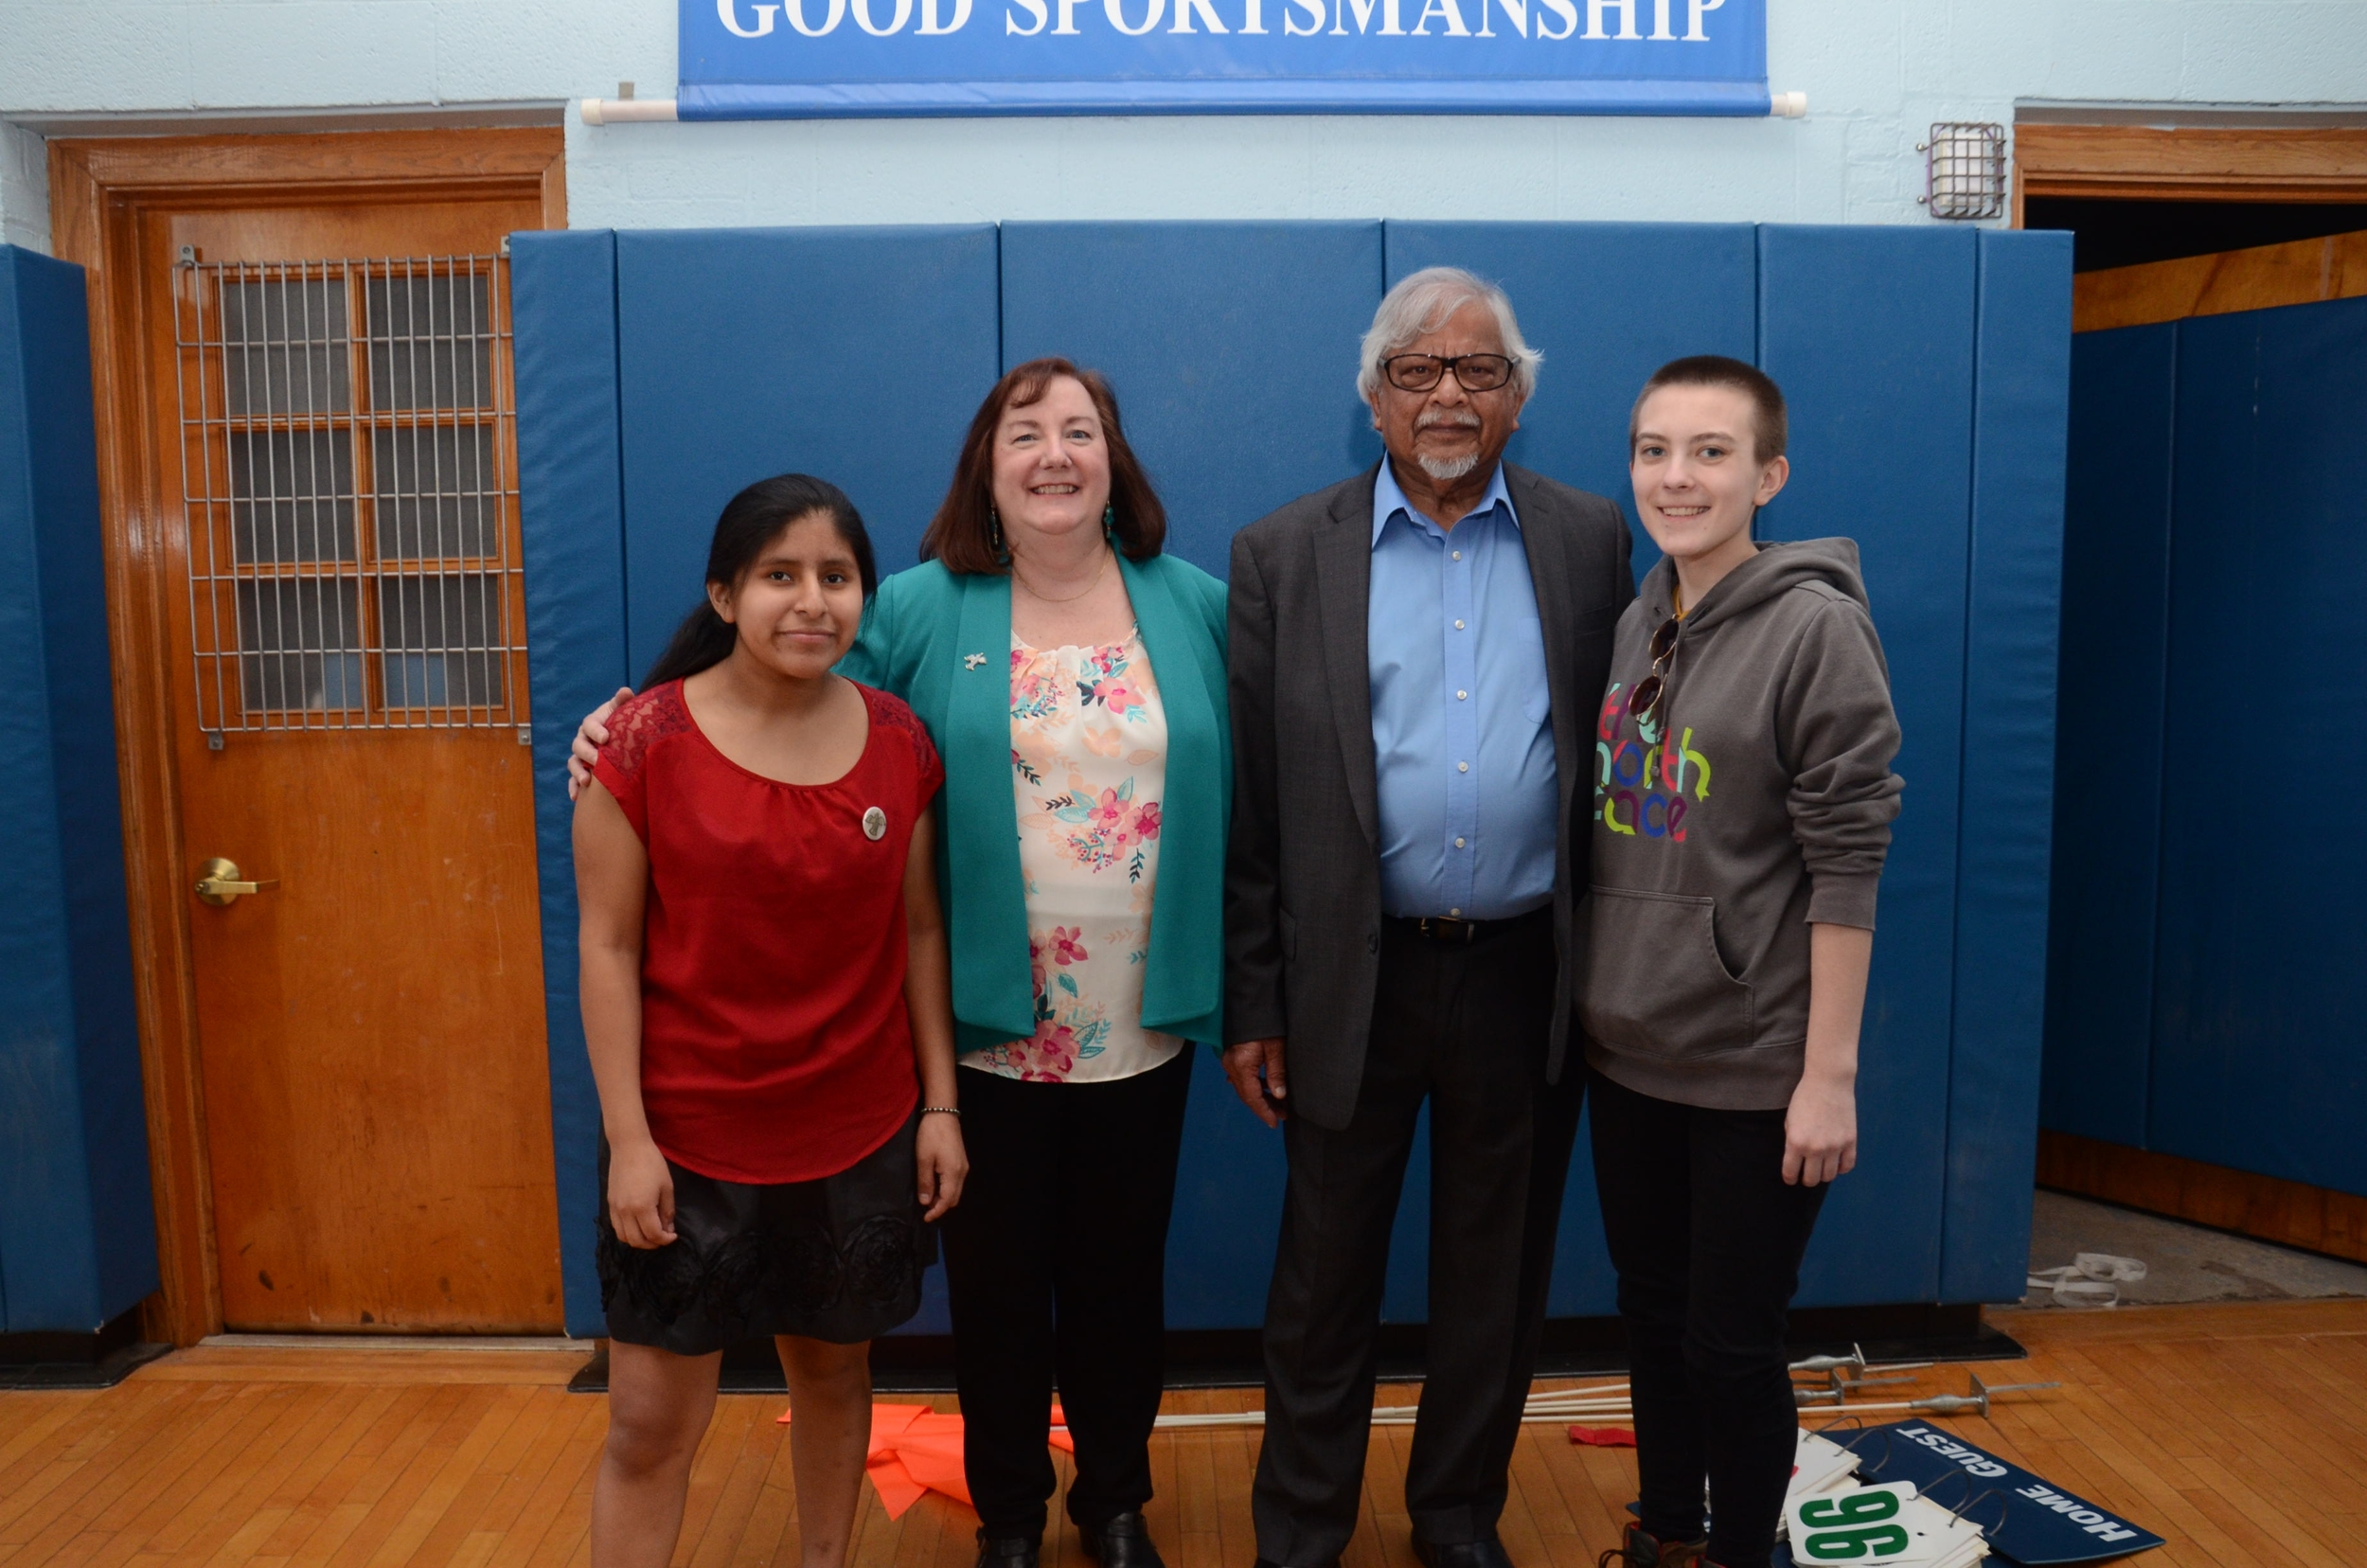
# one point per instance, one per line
(99, 191)
(2190, 163)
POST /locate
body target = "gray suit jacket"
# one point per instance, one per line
(1302, 868)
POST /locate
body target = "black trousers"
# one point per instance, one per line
(1055, 1266)
(1466, 1028)
(1707, 1240)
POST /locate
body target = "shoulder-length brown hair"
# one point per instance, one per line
(962, 535)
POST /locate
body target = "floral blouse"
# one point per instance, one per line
(1089, 758)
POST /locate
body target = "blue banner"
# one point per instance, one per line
(2028, 1519)
(805, 59)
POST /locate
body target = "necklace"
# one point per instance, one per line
(1098, 571)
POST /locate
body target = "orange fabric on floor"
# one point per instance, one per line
(913, 1450)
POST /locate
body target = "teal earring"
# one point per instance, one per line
(994, 536)
(1108, 522)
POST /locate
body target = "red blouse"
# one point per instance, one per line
(775, 1042)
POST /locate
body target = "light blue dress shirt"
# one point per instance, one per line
(1463, 737)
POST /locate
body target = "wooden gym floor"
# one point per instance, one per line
(2234, 1431)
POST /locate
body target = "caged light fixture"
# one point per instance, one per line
(1964, 170)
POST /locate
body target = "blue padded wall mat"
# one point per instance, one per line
(1871, 332)
(1599, 301)
(1236, 399)
(857, 355)
(571, 507)
(77, 1237)
(2107, 760)
(88, 787)
(2258, 987)
(1594, 299)
(1240, 399)
(2021, 378)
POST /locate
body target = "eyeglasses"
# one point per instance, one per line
(1472, 372)
(1644, 703)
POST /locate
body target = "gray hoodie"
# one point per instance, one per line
(1761, 801)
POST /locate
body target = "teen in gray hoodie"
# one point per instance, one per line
(1743, 802)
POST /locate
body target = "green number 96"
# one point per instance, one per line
(1865, 1541)
(1849, 1527)
(1856, 1507)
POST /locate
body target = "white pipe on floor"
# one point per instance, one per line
(1611, 1403)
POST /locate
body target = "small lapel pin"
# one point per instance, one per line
(972, 661)
(875, 824)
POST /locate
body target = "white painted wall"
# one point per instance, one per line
(1876, 72)
(24, 189)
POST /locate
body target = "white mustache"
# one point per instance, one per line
(1456, 419)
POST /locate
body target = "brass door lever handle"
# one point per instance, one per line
(218, 883)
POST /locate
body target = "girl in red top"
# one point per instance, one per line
(767, 1002)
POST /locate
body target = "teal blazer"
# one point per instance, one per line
(942, 641)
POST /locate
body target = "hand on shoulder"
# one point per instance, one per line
(590, 737)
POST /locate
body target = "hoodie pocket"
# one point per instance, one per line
(1654, 981)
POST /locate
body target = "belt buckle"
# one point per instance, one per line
(1448, 928)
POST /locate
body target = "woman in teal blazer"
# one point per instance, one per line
(918, 638)
(1073, 678)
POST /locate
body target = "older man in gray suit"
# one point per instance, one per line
(1417, 654)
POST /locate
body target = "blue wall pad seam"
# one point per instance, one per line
(571, 512)
(2013, 614)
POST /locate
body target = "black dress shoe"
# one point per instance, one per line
(1009, 1551)
(1640, 1548)
(1463, 1554)
(1120, 1542)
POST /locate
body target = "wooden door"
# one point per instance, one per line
(327, 393)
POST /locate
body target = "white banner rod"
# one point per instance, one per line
(627, 111)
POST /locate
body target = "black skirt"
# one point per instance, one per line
(839, 1259)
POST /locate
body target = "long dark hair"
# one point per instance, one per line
(962, 535)
(752, 520)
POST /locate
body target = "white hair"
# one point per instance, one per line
(1421, 304)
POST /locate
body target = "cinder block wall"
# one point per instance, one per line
(23, 190)
(1876, 72)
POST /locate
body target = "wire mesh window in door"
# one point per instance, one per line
(346, 461)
